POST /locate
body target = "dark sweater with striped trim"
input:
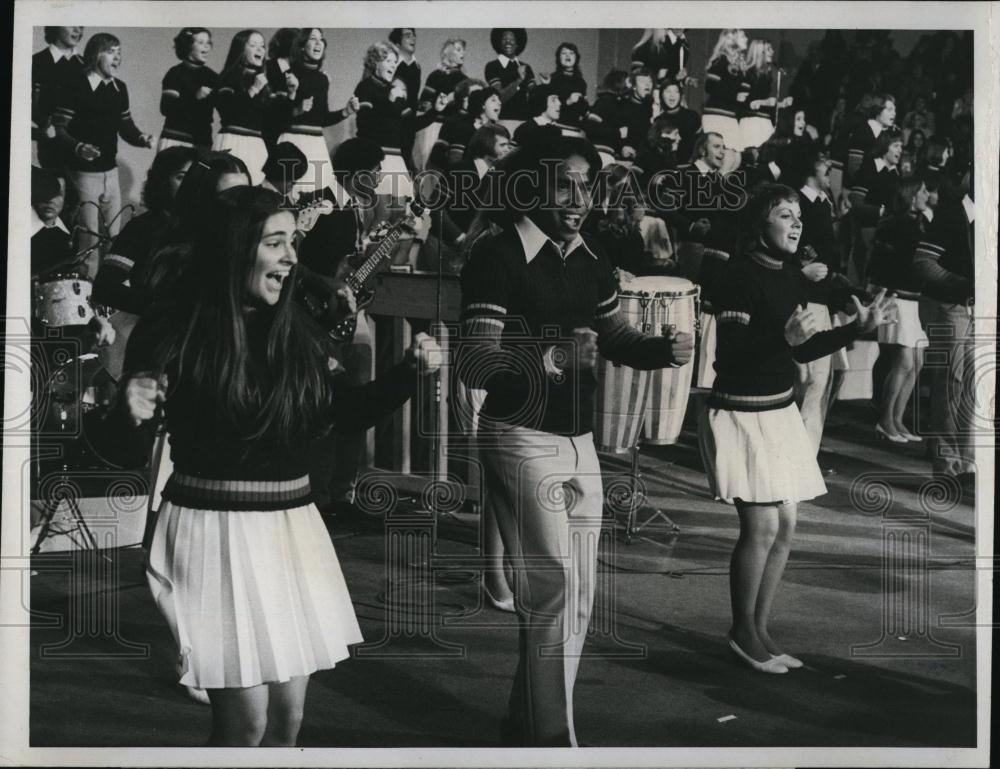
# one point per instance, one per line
(96, 116)
(721, 89)
(759, 87)
(120, 281)
(513, 310)
(48, 77)
(313, 84)
(872, 189)
(188, 119)
(667, 56)
(754, 364)
(379, 119)
(206, 445)
(515, 106)
(240, 112)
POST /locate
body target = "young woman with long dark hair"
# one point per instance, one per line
(240, 562)
(243, 96)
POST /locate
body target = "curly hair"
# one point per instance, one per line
(376, 53)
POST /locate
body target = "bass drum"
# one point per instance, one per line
(64, 300)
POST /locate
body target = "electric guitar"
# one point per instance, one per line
(318, 294)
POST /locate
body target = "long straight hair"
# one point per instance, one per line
(658, 36)
(235, 56)
(280, 396)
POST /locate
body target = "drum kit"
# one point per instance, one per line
(651, 404)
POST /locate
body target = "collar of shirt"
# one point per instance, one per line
(812, 194)
(58, 53)
(95, 80)
(970, 208)
(703, 167)
(533, 240)
(881, 165)
(876, 127)
(928, 214)
(504, 61)
(37, 224)
(672, 36)
(481, 167)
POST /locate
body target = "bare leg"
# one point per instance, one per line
(758, 529)
(773, 572)
(892, 388)
(913, 362)
(239, 716)
(284, 712)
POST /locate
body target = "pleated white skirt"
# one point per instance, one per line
(319, 174)
(728, 127)
(907, 330)
(759, 456)
(396, 181)
(251, 597)
(250, 149)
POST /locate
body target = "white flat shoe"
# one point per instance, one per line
(771, 666)
(788, 661)
(885, 434)
(507, 605)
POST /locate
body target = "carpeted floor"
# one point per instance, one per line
(890, 650)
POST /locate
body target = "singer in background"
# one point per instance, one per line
(93, 112)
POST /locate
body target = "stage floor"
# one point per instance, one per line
(875, 600)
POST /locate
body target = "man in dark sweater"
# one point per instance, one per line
(538, 301)
(93, 112)
(945, 264)
(51, 67)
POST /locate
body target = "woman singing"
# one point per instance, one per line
(752, 438)
(240, 563)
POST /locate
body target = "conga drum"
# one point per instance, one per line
(673, 305)
(620, 401)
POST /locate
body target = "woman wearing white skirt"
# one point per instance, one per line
(753, 441)
(304, 115)
(761, 103)
(242, 97)
(895, 244)
(240, 563)
(726, 88)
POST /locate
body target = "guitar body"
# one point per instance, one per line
(320, 296)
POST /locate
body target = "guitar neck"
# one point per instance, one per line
(380, 254)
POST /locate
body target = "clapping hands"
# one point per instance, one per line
(881, 312)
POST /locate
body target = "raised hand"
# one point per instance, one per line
(142, 395)
(203, 93)
(815, 271)
(427, 353)
(881, 312)
(800, 326)
(352, 106)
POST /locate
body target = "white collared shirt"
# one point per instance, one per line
(504, 61)
(703, 167)
(95, 80)
(928, 214)
(481, 166)
(970, 208)
(672, 36)
(881, 165)
(533, 240)
(812, 194)
(58, 53)
(37, 224)
(876, 127)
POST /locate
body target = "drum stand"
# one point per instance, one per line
(631, 528)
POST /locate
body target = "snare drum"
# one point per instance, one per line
(64, 300)
(671, 302)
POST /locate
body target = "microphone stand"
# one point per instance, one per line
(52, 504)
